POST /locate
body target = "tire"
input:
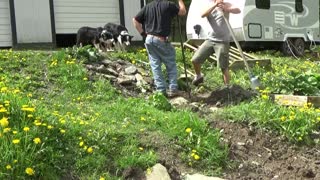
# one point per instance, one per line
(299, 47)
(286, 47)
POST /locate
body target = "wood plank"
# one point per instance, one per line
(290, 100)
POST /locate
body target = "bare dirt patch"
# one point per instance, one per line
(262, 155)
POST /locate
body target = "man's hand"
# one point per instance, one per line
(217, 2)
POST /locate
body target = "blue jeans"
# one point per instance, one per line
(159, 52)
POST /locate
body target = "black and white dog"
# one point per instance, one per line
(121, 37)
(94, 36)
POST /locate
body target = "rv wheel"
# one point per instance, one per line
(299, 47)
(287, 47)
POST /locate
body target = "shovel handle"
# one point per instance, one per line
(238, 45)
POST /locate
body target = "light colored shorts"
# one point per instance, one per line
(208, 47)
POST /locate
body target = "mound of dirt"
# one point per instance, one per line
(261, 155)
(226, 95)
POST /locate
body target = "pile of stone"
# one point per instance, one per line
(123, 74)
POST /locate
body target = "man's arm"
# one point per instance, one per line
(208, 11)
(182, 8)
(227, 7)
(138, 26)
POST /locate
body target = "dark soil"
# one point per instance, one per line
(261, 155)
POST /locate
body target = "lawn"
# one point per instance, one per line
(58, 122)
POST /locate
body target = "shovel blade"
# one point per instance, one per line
(255, 83)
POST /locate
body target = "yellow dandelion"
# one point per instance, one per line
(26, 129)
(196, 157)
(141, 148)
(5, 130)
(101, 178)
(27, 109)
(194, 151)
(142, 118)
(14, 132)
(265, 97)
(4, 122)
(4, 89)
(15, 161)
(16, 91)
(85, 79)
(29, 171)
(37, 140)
(16, 141)
(8, 167)
(81, 143)
(49, 127)
(149, 171)
(62, 131)
(29, 115)
(90, 150)
(283, 118)
(291, 118)
(3, 110)
(188, 130)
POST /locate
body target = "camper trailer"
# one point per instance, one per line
(289, 25)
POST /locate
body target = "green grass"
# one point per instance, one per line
(58, 124)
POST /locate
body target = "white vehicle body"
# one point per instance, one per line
(264, 22)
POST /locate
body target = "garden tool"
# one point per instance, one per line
(184, 58)
(255, 82)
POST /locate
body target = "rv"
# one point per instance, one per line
(289, 25)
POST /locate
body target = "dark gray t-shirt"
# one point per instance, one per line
(220, 31)
(156, 17)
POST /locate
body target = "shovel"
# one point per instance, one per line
(255, 83)
(184, 58)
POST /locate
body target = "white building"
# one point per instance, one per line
(38, 22)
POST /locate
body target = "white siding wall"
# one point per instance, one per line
(5, 24)
(70, 15)
(131, 8)
(33, 21)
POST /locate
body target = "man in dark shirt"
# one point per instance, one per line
(156, 18)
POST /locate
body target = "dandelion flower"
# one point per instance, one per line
(101, 178)
(14, 132)
(283, 118)
(90, 150)
(4, 122)
(8, 167)
(29, 171)
(188, 130)
(26, 129)
(141, 148)
(49, 127)
(81, 143)
(37, 140)
(149, 171)
(196, 157)
(85, 79)
(5, 130)
(16, 141)
(62, 131)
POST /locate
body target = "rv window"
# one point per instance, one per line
(263, 4)
(299, 6)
